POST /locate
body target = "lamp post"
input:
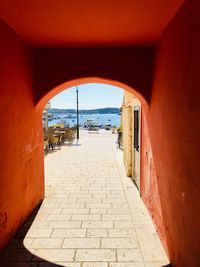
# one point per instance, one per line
(77, 114)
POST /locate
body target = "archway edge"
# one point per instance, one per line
(78, 81)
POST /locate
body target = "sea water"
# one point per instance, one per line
(102, 119)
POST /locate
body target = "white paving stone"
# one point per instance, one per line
(95, 264)
(69, 233)
(55, 254)
(97, 233)
(47, 243)
(129, 255)
(95, 255)
(92, 215)
(119, 243)
(81, 243)
(122, 233)
(97, 224)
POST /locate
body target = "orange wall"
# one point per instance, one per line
(21, 161)
(170, 168)
(149, 188)
(174, 129)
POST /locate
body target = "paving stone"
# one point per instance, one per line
(89, 217)
(40, 224)
(47, 243)
(157, 264)
(118, 243)
(129, 255)
(123, 224)
(116, 217)
(81, 243)
(54, 255)
(50, 205)
(118, 211)
(114, 200)
(39, 232)
(75, 211)
(97, 224)
(71, 205)
(90, 214)
(122, 233)
(67, 200)
(98, 205)
(69, 233)
(95, 255)
(49, 211)
(119, 205)
(60, 217)
(97, 233)
(126, 264)
(98, 211)
(95, 264)
(65, 224)
(88, 200)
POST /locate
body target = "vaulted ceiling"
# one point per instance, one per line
(75, 23)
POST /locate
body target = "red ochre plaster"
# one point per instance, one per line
(165, 79)
(21, 164)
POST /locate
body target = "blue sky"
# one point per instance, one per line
(91, 96)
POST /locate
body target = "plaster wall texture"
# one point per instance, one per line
(170, 125)
(21, 164)
(127, 127)
(174, 127)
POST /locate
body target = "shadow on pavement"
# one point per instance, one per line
(17, 255)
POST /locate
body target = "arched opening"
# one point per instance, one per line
(145, 54)
(54, 91)
(102, 222)
(132, 154)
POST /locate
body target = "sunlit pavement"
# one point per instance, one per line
(92, 215)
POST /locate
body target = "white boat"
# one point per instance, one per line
(69, 116)
(91, 124)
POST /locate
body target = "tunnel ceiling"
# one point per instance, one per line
(88, 22)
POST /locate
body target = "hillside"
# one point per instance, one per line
(87, 111)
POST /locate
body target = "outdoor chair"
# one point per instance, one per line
(54, 141)
(68, 136)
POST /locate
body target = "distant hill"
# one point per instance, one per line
(87, 111)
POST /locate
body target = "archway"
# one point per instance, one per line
(147, 161)
(113, 208)
(54, 91)
(144, 106)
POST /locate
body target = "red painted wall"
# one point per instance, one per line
(21, 159)
(170, 167)
(149, 181)
(174, 130)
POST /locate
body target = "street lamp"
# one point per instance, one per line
(77, 114)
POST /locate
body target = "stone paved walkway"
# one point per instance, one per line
(92, 215)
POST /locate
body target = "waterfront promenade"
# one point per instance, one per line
(92, 215)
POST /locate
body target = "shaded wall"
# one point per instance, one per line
(21, 159)
(174, 128)
(54, 66)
